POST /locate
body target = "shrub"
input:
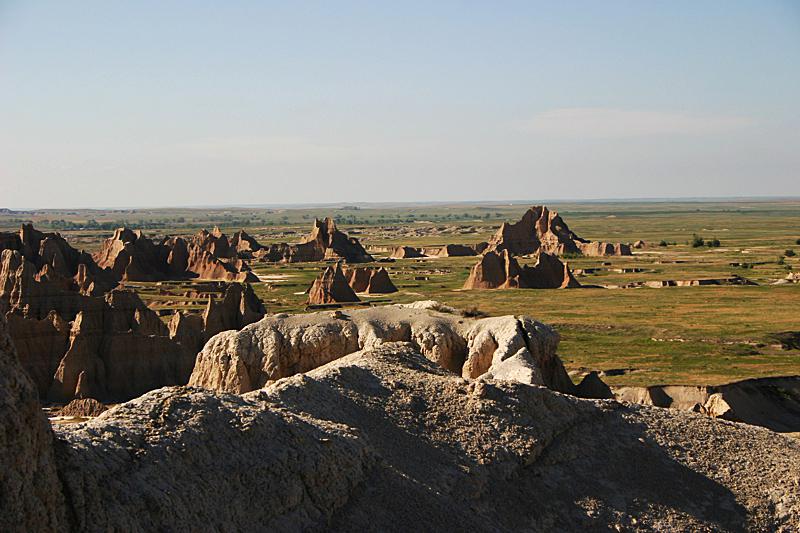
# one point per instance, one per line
(697, 241)
(789, 253)
(797, 241)
(662, 243)
(780, 259)
(714, 242)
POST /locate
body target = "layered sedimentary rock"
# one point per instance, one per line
(83, 407)
(55, 261)
(280, 346)
(325, 242)
(502, 271)
(130, 256)
(540, 230)
(331, 287)
(106, 347)
(383, 440)
(370, 281)
(770, 402)
(31, 498)
(406, 252)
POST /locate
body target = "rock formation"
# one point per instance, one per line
(283, 345)
(30, 492)
(130, 256)
(457, 250)
(369, 280)
(770, 402)
(540, 230)
(55, 261)
(501, 271)
(331, 287)
(383, 439)
(84, 407)
(108, 347)
(325, 242)
(406, 252)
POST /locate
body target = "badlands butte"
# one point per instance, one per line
(427, 368)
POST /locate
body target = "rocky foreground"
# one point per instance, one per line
(384, 439)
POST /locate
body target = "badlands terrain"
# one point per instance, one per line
(362, 368)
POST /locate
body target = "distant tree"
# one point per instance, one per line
(697, 241)
(797, 241)
(789, 253)
(781, 259)
(662, 243)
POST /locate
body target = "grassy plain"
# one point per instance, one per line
(643, 336)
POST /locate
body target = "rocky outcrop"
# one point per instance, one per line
(370, 281)
(84, 407)
(110, 347)
(406, 252)
(30, 491)
(238, 307)
(331, 287)
(283, 345)
(384, 438)
(502, 271)
(770, 402)
(53, 260)
(131, 256)
(456, 250)
(325, 242)
(540, 230)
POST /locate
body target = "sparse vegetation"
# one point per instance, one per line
(697, 241)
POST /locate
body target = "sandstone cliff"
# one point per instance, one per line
(540, 230)
(502, 271)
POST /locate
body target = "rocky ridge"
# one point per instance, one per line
(541, 230)
(325, 242)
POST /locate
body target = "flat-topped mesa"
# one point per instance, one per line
(331, 287)
(131, 256)
(541, 230)
(325, 242)
(502, 271)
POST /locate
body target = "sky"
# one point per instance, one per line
(134, 104)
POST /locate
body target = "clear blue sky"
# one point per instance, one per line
(112, 104)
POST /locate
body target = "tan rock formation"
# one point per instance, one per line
(331, 287)
(369, 280)
(501, 271)
(325, 242)
(456, 250)
(84, 407)
(540, 230)
(31, 496)
(770, 402)
(276, 347)
(130, 256)
(406, 252)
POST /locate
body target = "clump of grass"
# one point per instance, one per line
(473, 312)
